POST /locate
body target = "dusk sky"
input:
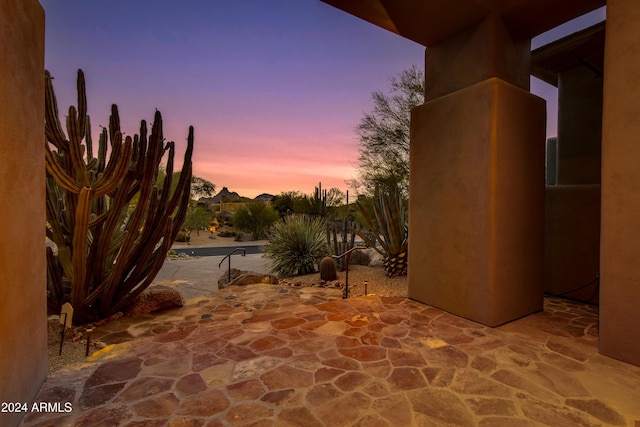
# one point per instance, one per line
(274, 88)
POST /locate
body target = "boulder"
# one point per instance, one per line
(157, 297)
(224, 281)
(246, 278)
(375, 259)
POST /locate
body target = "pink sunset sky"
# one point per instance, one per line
(274, 89)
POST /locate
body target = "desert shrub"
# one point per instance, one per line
(359, 258)
(183, 236)
(226, 233)
(328, 269)
(296, 243)
(254, 218)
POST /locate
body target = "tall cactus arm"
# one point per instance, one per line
(54, 168)
(114, 123)
(82, 105)
(79, 244)
(165, 193)
(102, 151)
(75, 147)
(184, 183)
(53, 129)
(112, 176)
(89, 142)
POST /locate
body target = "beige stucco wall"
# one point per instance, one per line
(620, 246)
(23, 341)
(572, 240)
(579, 126)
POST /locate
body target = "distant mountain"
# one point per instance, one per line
(225, 195)
(265, 197)
(230, 196)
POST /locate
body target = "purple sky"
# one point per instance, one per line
(274, 88)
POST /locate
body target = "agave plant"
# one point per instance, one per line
(296, 243)
(389, 231)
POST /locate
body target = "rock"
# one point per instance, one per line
(240, 278)
(375, 259)
(251, 278)
(154, 298)
(224, 281)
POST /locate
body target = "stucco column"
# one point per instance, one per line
(477, 180)
(620, 228)
(579, 126)
(572, 240)
(23, 311)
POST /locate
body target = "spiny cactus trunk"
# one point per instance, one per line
(395, 265)
(112, 224)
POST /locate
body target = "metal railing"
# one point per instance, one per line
(345, 294)
(244, 253)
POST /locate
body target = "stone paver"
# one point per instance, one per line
(269, 355)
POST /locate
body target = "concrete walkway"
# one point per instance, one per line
(193, 277)
(270, 355)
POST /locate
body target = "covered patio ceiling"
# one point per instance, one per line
(429, 22)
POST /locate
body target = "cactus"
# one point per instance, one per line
(341, 236)
(389, 230)
(112, 223)
(328, 270)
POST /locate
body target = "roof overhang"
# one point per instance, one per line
(428, 22)
(584, 48)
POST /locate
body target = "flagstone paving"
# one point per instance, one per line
(268, 355)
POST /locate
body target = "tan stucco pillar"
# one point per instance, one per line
(23, 336)
(619, 247)
(572, 234)
(477, 180)
(579, 126)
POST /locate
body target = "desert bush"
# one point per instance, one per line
(226, 233)
(183, 236)
(359, 258)
(254, 218)
(296, 243)
(328, 270)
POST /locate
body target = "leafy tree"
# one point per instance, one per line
(335, 197)
(284, 202)
(255, 218)
(383, 161)
(200, 187)
(197, 219)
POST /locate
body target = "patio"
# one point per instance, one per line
(267, 355)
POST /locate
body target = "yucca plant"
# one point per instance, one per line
(296, 243)
(389, 230)
(111, 222)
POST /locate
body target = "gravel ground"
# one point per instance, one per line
(377, 281)
(73, 349)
